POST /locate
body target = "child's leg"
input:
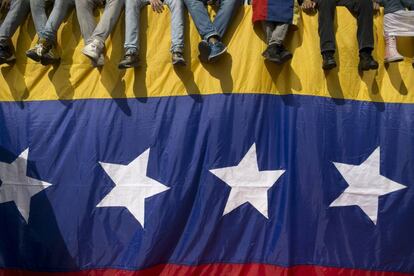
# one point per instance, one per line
(391, 22)
(275, 36)
(391, 52)
(279, 34)
(268, 28)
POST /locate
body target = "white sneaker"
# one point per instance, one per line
(93, 50)
(391, 52)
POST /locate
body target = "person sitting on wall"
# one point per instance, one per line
(398, 21)
(364, 11)
(275, 17)
(211, 47)
(46, 28)
(132, 15)
(94, 34)
(14, 13)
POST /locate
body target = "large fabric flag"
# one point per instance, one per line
(236, 168)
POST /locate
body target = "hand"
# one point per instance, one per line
(376, 7)
(5, 4)
(157, 6)
(308, 5)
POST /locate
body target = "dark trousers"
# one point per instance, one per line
(362, 10)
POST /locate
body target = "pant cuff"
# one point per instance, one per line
(177, 49)
(130, 49)
(207, 36)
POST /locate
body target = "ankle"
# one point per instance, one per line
(213, 39)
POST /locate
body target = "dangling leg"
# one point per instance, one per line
(391, 52)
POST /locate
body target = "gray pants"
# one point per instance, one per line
(275, 32)
(101, 31)
(15, 16)
(132, 19)
(47, 27)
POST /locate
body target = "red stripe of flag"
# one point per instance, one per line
(216, 270)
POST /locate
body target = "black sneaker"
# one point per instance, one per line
(367, 62)
(217, 50)
(272, 54)
(178, 59)
(328, 60)
(130, 60)
(284, 54)
(33, 53)
(50, 57)
(6, 52)
(204, 49)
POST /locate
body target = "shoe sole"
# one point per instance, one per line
(367, 68)
(179, 63)
(214, 58)
(90, 55)
(123, 67)
(329, 67)
(286, 58)
(48, 61)
(280, 61)
(274, 60)
(391, 60)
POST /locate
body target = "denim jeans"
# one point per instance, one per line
(101, 31)
(15, 16)
(219, 26)
(132, 19)
(47, 27)
(275, 32)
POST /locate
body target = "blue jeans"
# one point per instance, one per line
(101, 31)
(47, 27)
(132, 19)
(219, 26)
(15, 16)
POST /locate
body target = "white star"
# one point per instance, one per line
(132, 186)
(17, 186)
(366, 185)
(248, 184)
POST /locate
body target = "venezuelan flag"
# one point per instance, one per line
(234, 168)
